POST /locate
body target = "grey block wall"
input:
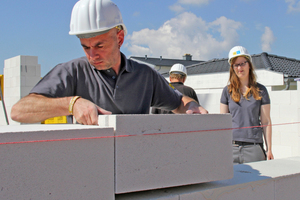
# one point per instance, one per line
(267, 180)
(170, 150)
(77, 162)
(56, 167)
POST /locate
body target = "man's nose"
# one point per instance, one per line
(93, 53)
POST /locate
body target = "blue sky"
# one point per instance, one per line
(206, 29)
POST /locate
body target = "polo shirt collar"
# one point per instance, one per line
(177, 83)
(128, 67)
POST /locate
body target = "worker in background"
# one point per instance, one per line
(249, 104)
(102, 82)
(177, 78)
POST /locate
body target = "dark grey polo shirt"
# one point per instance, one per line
(133, 91)
(246, 113)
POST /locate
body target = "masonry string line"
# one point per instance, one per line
(146, 134)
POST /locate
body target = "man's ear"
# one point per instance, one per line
(120, 36)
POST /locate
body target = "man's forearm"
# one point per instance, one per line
(36, 108)
(185, 105)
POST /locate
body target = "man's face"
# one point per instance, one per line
(103, 51)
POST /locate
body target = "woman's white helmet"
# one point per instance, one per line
(90, 18)
(178, 69)
(238, 51)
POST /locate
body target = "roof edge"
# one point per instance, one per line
(266, 61)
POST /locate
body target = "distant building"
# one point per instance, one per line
(289, 67)
(163, 65)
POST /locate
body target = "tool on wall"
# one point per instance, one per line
(4, 109)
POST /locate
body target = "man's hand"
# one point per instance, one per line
(35, 108)
(195, 108)
(86, 112)
(189, 106)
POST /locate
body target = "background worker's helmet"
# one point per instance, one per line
(90, 18)
(178, 69)
(238, 51)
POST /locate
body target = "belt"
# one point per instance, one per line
(243, 143)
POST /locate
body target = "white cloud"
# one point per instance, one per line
(248, 0)
(267, 39)
(194, 2)
(293, 5)
(177, 8)
(186, 33)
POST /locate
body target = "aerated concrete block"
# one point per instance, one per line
(287, 187)
(29, 60)
(58, 162)
(28, 70)
(268, 180)
(160, 151)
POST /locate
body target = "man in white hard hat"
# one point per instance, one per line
(102, 82)
(177, 78)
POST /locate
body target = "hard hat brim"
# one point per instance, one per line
(246, 56)
(90, 34)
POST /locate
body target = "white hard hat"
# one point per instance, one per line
(178, 69)
(238, 51)
(90, 18)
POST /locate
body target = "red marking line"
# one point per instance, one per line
(147, 134)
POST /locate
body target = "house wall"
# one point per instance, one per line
(285, 109)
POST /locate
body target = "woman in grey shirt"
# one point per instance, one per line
(249, 104)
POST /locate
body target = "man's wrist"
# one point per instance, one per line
(71, 104)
